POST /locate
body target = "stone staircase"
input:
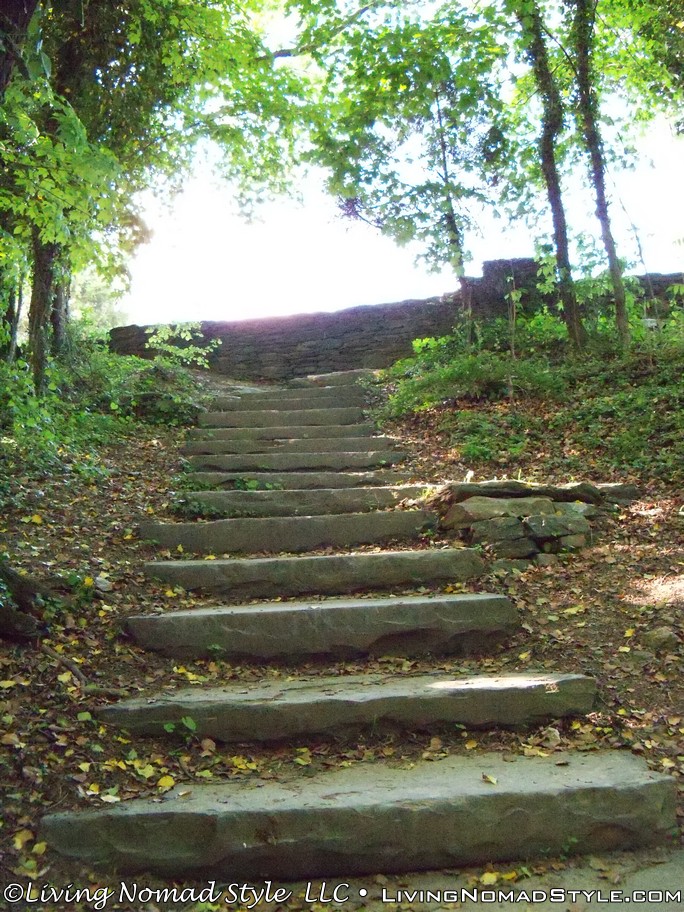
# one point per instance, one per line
(299, 470)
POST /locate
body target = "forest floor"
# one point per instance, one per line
(613, 611)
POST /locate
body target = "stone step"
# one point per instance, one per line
(257, 418)
(290, 533)
(373, 818)
(292, 462)
(336, 398)
(281, 433)
(273, 577)
(327, 705)
(337, 378)
(316, 502)
(320, 393)
(461, 624)
(298, 445)
(298, 481)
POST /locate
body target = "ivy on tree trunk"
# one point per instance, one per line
(15, 16)
(42, 297)
(583, 32)
(532, 26)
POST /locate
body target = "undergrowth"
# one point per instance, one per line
(495, 405)
(92, 398)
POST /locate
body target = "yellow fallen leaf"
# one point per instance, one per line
(210, 557)
(492, 780)
(469, 745)
(630, 632)
(21, 838)
(84, 767)
(65, 677)
(166, 782)
(110, 799)
(489, 878)
(524, 656)
(37, 519)
(93, 789)
(170, 593)
(88, 582)
(180, 549)
(39, 848)
(5, 685)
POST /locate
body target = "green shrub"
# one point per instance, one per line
(476, 375)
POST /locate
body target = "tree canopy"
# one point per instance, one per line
(423, 116)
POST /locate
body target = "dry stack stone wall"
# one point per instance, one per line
(360, 337)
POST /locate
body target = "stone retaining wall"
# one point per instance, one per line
(361, 337)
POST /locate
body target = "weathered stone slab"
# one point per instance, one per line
(320, 393)
(572, 508)
(619, 492)
(315, 502)
(335, 397)
(336, 705)
(364, 429)
(291, 462)
(297, 445)
(475, 509)
(270, 577)
(543, 527)
(456, 492)
(500, 528)
(337, 378)
(299, 481)
(515, 548)
(572, 542)
(373, 818)
(290, 533)
(340, 628)
(263, 418)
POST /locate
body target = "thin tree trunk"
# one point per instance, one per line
(455, 235)
(15, 16)
(42, 294)
(552, 125)
(583, 27)
(59, 314)
(14, 328)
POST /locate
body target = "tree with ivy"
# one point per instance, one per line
(132, 90)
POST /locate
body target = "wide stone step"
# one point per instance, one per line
(320, 393)
(297, 445)
(460, 624)
(333, 705)
(290, 533)
(334, 398)
(264, 418)
(282, 433)
(292, 462)
(298, 481)
(317, 502)
(337, 378)
(271, 577)
(376, 818)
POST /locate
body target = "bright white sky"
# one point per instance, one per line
(205, 263)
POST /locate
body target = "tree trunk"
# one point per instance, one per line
(552, 125)
(59, 315)
(583, 27)
(15, 16)
(42, 296)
